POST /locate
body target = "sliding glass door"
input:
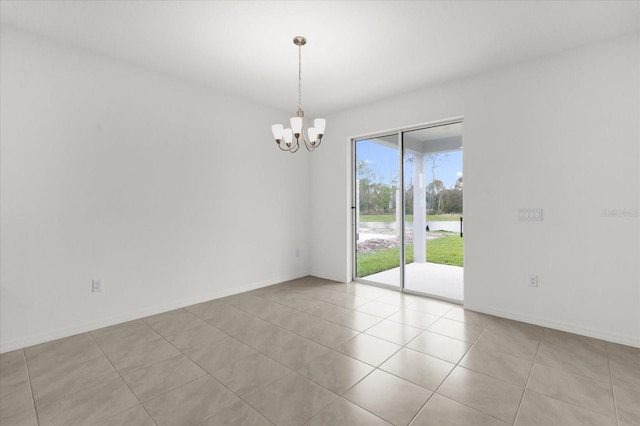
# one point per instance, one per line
(433, 211)
(408, 192)
(378, 212)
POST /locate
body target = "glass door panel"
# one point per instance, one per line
(378, 210)
(432, 159)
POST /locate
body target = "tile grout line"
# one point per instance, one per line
(297, 334)
(457, 364)
(33, 397)
(276, 325)
(359, 333)
(238, 396)
(526, 386)
(64, 394)
(402, 378)
(613, 388)
(329, 303)
(300, 311)
(312, 341)
(307, 339)
(348, 401)
(355, 309)
(207, 373)
(151, 363)
(400, 308)
(556, 398)
(123, 381)
(283, 329)
(490, 376)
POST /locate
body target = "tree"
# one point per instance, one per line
(408, 200)
(435, 187)
(451, 201)
(459, 184)
(434, 196)
(376, 197)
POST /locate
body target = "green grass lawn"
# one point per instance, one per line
(409, 217)
(446, 250)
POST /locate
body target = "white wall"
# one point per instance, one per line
(170, 193)
(560, 133)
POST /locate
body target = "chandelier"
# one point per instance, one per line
(285, 136)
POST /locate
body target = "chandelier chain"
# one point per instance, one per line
(299, 77)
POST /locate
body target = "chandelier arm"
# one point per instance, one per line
(281, 144)
(310, 147)
(296, 146)
(308, 144)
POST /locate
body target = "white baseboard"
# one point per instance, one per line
(332, 277)
(36, 339)
(559, 325)
(148, 311)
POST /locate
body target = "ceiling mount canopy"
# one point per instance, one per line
(285, 136)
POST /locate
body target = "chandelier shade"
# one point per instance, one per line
(288, 139)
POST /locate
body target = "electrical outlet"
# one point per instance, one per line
(533, 281)
(96, 286)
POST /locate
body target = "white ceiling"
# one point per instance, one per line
(357, 51)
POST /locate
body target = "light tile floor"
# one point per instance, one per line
(315, 352)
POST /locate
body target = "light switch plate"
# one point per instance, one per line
(530, 215)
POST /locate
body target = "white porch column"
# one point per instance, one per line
(419, 210)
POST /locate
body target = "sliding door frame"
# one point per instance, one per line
(354, 187)
(354, 210)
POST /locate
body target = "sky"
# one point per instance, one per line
(383, 161)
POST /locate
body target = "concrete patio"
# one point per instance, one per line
(443, 281)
